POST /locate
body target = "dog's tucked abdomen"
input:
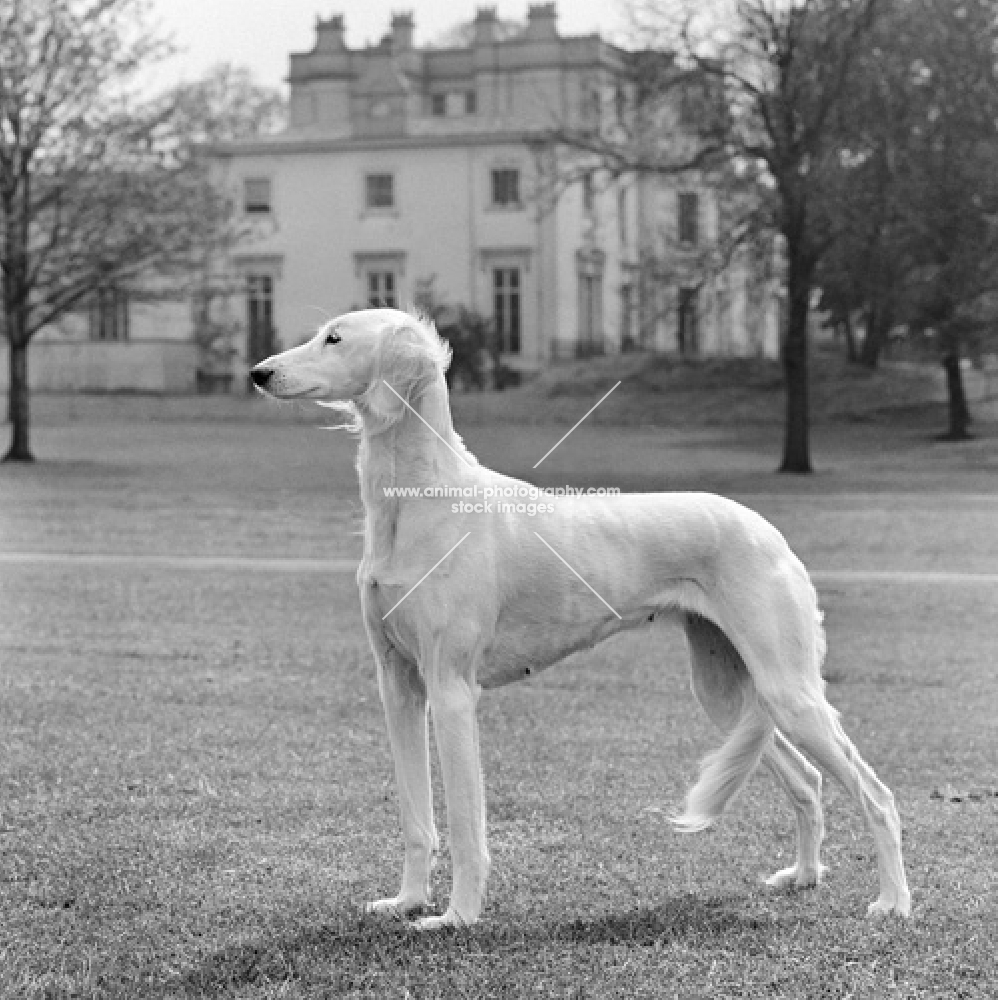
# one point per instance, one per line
(566, 596)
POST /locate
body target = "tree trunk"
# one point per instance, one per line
(15, 317)
(959, 413)
(852, 352)
(877, 327)
(796, 440)
(18, 404)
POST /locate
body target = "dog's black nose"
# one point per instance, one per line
(261, 376)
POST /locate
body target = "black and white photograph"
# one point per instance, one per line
(498, 500)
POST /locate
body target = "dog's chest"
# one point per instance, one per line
(384, 606)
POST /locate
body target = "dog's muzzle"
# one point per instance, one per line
(261, 376)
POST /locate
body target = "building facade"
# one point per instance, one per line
(118, 341)
(408, 174)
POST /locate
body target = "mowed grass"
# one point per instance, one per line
(196, 794)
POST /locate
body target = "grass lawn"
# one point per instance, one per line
(196, 793)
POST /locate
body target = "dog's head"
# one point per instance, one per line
(374, 359)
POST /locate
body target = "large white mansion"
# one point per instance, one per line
(407, 172)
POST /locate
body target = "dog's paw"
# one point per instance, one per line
(887, 906)
(796, 877)
(397, 907)
(449, 920)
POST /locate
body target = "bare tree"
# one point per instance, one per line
(786, 70)
(861, 274)
(224, 105)
(767, 79)
(95, 188)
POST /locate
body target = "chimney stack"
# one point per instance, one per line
(403, 29)
(329, 34)
(541, 22)
(486, 26)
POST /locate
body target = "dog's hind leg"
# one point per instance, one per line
(783, 651)
(801, 780)
(815, 727)
(721, 684)
(403, 695)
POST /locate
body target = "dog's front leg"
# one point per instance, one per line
(403, 695)
(455, 726)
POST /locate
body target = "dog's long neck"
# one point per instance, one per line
(417, 449)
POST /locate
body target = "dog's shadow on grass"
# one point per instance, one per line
(679, 918)
(354, 946)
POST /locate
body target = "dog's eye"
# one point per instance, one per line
(333, 338)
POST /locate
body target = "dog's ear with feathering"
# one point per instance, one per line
(409, 360)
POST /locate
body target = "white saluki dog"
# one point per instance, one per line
(458, 602)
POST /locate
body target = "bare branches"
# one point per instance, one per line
(95, 185)
(65, 65)
(776, 74)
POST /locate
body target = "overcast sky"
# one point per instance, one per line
(261, 33)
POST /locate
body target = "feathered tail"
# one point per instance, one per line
(725, 771)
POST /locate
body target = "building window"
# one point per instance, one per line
(689, 208)
(382, 290)
(506, 303)
(588, 192)
(380, 190)
(108, 318)
(590, 313)
(623, 222)
(259, 317)
(256, 195)
(506, 188)
(592, 104)
(470, 103)
(438, 105)
(688, 321)
(590, 266)
(620, 103)
(627, 339)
